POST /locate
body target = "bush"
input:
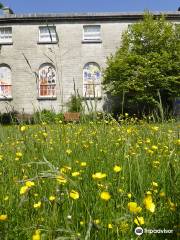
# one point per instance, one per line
(75, 104)
(47, 116)
(8, 118)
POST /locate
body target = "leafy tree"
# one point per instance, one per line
(1, 6)
(146, 67)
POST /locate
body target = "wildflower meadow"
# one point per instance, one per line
(89, 181)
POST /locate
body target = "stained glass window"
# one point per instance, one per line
(5, 82)
(47, 81)
(92, 80)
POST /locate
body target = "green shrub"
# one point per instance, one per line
(8, 118)
(75, 104)
(47, 116)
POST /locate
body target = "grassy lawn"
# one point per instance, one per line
(93, 181)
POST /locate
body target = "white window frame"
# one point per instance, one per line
(5, 35)
(92, 35)
(49, 35)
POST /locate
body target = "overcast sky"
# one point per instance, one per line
(41, 6)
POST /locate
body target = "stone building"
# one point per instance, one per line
(43, 57)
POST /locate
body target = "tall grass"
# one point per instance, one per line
(60, 158)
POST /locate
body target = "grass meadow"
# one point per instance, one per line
(89, 181)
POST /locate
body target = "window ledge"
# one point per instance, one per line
(92, 98)
(48, 42)
(91, 41)
(47, 98)
(6, 98)
(6, 43)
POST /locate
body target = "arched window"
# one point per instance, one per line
(92, 80)
(47, 81)
(5, 82)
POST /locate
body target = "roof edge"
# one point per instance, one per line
(106, 16)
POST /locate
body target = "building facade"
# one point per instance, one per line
(45, 57)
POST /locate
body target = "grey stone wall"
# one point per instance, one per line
(68, 56)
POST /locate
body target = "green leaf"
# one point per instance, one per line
(1, 6)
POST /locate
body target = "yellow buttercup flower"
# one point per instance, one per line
(3, 217)
(155, 128)
(129, 130)
(110, 226)
(120, 190)
(37, 235)
(83, 164)
(18, 154)
(148, 140)
(105, 196)
(99, 175)
(139, 221)
(30, 184)
(154, 147)
(81, 223)
(134, 208)
(129, 195)
(52, 198)
(117, 168)
(97, 221)
(148, 202)
(75, 174)
(74, 195)
(24, 189)
(148, 192)
(63, 170)
(150, 151)
(23, 128)
(45, 134)
(37, 205)
(155, 184)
